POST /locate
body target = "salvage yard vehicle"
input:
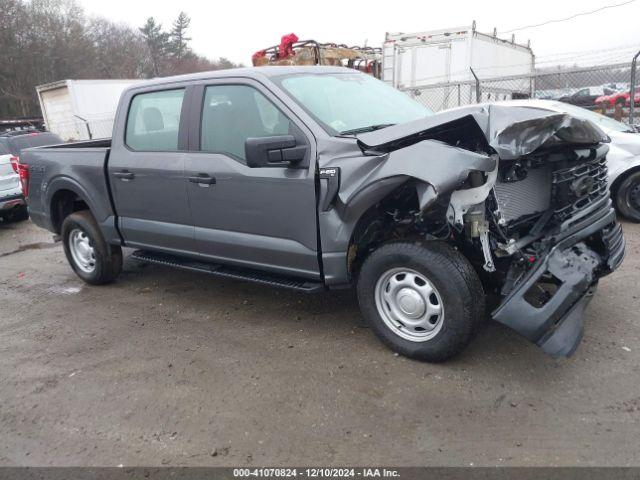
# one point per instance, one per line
(314, 178)
(430, 63)
(621, 99)
(291, 51)
(586, 97)
(12, 203)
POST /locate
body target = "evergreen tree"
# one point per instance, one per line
(179, 40)
(157, 42)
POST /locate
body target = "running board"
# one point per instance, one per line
(300, 285)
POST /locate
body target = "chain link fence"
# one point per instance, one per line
(603, 88)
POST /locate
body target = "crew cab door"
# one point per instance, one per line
(146, 171)
(261, 218)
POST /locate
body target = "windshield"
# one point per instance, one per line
(597, 118)
(346, 103)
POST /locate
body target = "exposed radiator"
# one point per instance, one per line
(527, 196)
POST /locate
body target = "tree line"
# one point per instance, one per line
(43, 41)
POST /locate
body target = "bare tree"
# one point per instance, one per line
(43, 41)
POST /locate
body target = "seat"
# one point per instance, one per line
(152, 119)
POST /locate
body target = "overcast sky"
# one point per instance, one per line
(237, 28)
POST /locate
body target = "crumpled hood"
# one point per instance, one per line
(511, 131)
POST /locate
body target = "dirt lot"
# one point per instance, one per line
(174, 368)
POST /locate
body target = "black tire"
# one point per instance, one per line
(627, 197)
(17, 214)
(107, 258)
(456, 282)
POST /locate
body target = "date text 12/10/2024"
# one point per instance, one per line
(315, 473)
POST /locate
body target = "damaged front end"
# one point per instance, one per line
(524, 196)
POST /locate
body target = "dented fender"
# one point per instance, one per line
(439, 152)
(367, 179)
(433, 162)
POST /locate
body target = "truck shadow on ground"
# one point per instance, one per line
(337, 311)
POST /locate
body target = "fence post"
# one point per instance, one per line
(86, 124)
(632, 90)
(532, 86)
(477, 85)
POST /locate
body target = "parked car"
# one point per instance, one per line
(586, 97)
(623, 159)
(617, 98)
(12, 203)
(314, 178)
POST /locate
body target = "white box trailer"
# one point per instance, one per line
(437, 66)
(81, 109)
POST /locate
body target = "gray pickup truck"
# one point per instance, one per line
(315, 178)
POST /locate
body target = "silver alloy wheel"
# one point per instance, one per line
(82, 251)
(409, 304)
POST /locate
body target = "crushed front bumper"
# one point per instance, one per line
(557, 325)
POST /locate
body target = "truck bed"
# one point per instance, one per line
(78, 168)
(97, 143)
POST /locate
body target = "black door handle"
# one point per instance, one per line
(203, 179)
(124, 175)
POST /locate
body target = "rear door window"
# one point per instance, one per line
(154, 121)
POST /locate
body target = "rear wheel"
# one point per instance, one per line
(627, 197)
(423, 301)
(91, 257)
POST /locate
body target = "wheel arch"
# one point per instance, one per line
(615, 185)
(629, 212)
(407, 195)
(65, 196)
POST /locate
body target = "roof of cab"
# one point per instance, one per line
(248, 72)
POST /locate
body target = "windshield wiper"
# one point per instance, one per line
(369, 128)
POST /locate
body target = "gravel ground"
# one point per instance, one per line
(167, 367)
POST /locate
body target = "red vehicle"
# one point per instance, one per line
(618, 98)
(636, 99)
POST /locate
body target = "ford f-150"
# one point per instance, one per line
(314, 178)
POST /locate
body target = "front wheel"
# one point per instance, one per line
(91, 257)
(627, 197)
(425, 301)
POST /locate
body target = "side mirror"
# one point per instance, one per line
(277, 151)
